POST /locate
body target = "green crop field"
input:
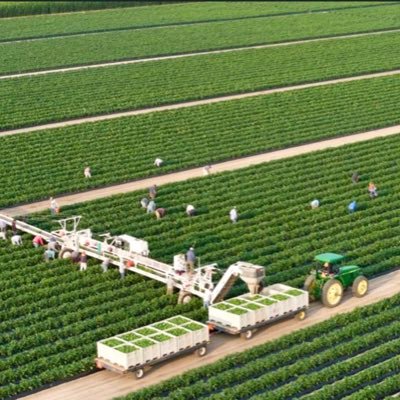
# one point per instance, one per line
(106, 90)
(206, 134)
(52, 314)
(277, 228)
(321, 362)
(112, 46)
(45, 25)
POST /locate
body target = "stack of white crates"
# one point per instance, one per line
(152, 342)
(273, 302)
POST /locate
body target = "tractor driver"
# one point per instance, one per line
(328, 269)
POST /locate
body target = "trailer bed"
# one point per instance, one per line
(247, 331)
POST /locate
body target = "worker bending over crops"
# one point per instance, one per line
(3, 229)
(160, 213)
(151, 207)
(158, 162)
(87, 172)
(38, 241)
(190, 210)
(372, 190)
(144, 202)
(352, 207)
(49, 254)
(314, 204)
(16, 240)
(355, 177)
(233, 215)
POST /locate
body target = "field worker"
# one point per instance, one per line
(122, 270)
(16, 240)
(14, 227)
(153, 192)
(144, 202)
(158, 162)
(206, 170)
(52, 243)
(75, 256)
(3, 230)
(190, 210)
(38, 241)
(233, 215)
(352, 206)
(83, 262)
(160, 213)
(105, 264)
(87, 172)
(151, 207)
(355, 177)
(190, 259)
(207, 298)
(314, 204)
(372, 190)
(49, 255)
(54, 209)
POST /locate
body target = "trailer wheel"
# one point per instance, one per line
(201, 351)
(65, 254)
(247, 335)
(139, 373)
(301, 315)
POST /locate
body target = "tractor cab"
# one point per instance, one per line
(329, 280)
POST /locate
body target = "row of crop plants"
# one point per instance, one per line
(54, 97)
(52, 315)
(88, 49)
(124, 149)
(45, 26)
(321, 362)
(276, 226)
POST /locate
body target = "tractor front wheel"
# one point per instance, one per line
(360, 286)
(309, 285)
(332, 293)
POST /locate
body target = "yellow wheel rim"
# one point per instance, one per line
(334, 293)
(301, 315)
(362, 287)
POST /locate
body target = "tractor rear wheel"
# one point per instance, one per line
(360, 286)
(332, 293)
(309, 285)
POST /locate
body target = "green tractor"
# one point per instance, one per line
(328, 282)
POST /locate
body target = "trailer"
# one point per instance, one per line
(137, 350)
(244, 315)
(140, 370)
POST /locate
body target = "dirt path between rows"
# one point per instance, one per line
(194, 54)
(231, 165)
(195, 103)
(105, 385)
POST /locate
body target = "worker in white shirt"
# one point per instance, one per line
(151, 207)
(53, 206)
(49, 254)
(158, 162)
(314, 204)
(3, 230)
(190, 210)
(233, 215)
(16, 240)
(87, 172)
(105, 264)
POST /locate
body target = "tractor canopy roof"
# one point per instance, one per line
(331, 258)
